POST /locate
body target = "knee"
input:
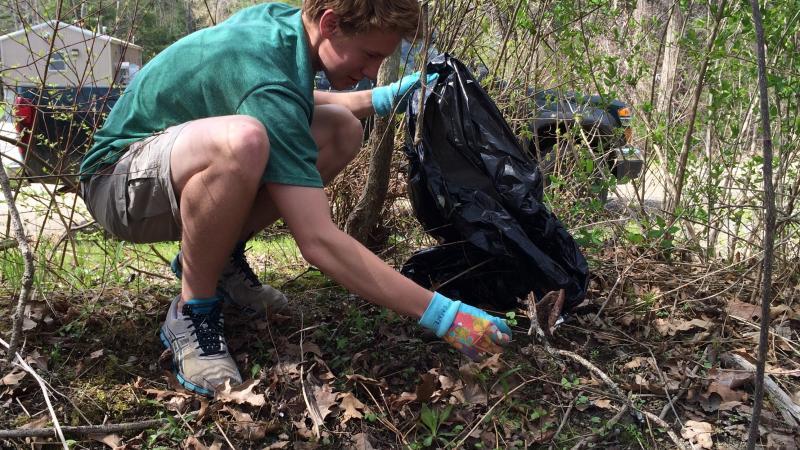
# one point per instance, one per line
(347, 130)
(351, 135)
(247, 145)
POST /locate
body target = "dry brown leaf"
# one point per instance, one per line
(777, 441)
(603, 403)
(638, 361)
(779, 310)
(28, 324)
(492, 363)
(324, 399)
(426, 387)
(13, 378)
(245, 427)
(287, 368)
(699, 433)
(113, 441)
(303, 430)
(671, 327)
(747, 311)
(471, 394)
(277, 445)
(241, 394)
(37, 423)
(35, 359)
(361, 442)
(351, 406)
(192, 443)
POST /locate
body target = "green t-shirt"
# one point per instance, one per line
(255, 63)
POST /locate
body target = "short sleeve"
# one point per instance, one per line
(293, 153)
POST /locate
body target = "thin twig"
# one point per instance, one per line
(82, 430)
(56, 430)
(224, 435)
(564, 420)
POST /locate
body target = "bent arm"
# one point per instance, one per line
(358, 102)
(305, 211)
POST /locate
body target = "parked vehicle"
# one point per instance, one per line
(563, 119)
(55, 127)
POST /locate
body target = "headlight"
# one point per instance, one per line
(625, 116)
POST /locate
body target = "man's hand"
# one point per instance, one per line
(384, 98)
(470, 330)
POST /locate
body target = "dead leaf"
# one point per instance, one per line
(96, 354)
(277, 445)
(351, 406)
(699, 433)
(241, 394)
(426, 387)
(638, 361)
(320, 401)
(28, 324)
(492, 363)
(192, 443)
(671, 327)
(603, 403)
(35, 359)
(776, 441)
(246, 428)
(747, 311)
(178, 403)
(471, 394)
(111, 440)
(37, 423)
(360, 442)
(12, 378)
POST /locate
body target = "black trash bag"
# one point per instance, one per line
(475, 190)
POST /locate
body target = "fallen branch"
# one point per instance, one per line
(783, 401)
(27, 261)
(536, 329)
(82, 430)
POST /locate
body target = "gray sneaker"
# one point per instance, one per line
(241, 287)
(199, 353)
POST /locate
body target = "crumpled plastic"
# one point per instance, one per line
(473, 188)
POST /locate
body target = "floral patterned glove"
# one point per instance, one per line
(470, 330)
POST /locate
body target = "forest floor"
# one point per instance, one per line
(661, 328)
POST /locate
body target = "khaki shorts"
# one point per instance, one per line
(134, 199)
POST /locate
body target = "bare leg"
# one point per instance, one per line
(338, 136)
(217, 164)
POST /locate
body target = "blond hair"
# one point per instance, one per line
(359, 16)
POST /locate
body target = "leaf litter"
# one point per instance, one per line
(368, 376)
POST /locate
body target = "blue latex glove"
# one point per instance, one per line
(384, 98)
(470, 330)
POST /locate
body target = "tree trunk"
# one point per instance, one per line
(669, 63)
(367, 211)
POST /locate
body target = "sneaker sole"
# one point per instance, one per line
(185, 383)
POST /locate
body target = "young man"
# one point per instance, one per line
(222, 133)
